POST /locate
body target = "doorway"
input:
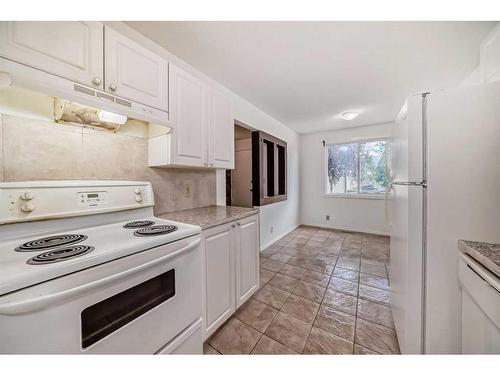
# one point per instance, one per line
(239, 180)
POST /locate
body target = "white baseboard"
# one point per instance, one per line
(269, 243)
(347, 229)
(350, 229)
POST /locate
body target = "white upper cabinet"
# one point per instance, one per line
(134, 72)
(220, 131)
(72, 50)
(97, 56)
(188, 114)
(203, 126)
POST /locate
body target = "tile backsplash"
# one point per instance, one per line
(33, 149)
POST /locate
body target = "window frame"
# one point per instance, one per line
(260, 181)
(378, 195)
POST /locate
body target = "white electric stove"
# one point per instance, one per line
(85, 267)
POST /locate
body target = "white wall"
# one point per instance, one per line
(275, 219)
(356, 214)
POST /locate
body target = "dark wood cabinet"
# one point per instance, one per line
(269, 169)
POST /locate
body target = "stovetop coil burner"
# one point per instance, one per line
(138, 224)
(155, 230)
(51, 242)
(59, 255)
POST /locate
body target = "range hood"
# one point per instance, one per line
(26, 77)
(66, 111)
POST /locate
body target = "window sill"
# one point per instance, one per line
(356, 196)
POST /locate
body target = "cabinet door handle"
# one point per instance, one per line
(239, 224)
(234, 225)
(96, 81)
(112, 87)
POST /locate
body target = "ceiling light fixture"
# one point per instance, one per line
(350, 115)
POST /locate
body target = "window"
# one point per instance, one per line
(358, 167)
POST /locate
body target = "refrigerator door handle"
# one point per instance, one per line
(411, 183)
(386, 204)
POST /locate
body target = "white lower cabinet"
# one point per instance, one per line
(218, 254)
(231, 269)
(247, 259)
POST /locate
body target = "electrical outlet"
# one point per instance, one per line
(187, 190)
(327, 217)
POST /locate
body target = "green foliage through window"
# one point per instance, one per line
(359, 167)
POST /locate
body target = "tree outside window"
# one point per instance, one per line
(358, 167)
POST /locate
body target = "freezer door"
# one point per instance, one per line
(407, 162)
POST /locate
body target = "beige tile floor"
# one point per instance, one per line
(321, 292)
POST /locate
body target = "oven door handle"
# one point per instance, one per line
(38, 303)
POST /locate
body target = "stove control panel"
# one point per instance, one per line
(42, 200)
(91, 198)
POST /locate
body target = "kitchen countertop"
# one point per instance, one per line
(211, 216)
(488, 254)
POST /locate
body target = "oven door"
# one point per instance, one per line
(133, 305)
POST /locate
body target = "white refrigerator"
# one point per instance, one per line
(445, 161)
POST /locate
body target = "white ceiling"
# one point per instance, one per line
(306, 73)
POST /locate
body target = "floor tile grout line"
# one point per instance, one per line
(357, 303)
(314, 320)
(312, 323)
(248, 325)
(369, 349)
(357, 299)
(212, 348)
(285, 345)
(269, 337)
(314, 253)
(282, 343)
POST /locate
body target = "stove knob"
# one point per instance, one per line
(138, 198)
(138, 191)
(27, 207)
(26, 196)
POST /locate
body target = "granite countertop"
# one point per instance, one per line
(488, 254)
(207, 217)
